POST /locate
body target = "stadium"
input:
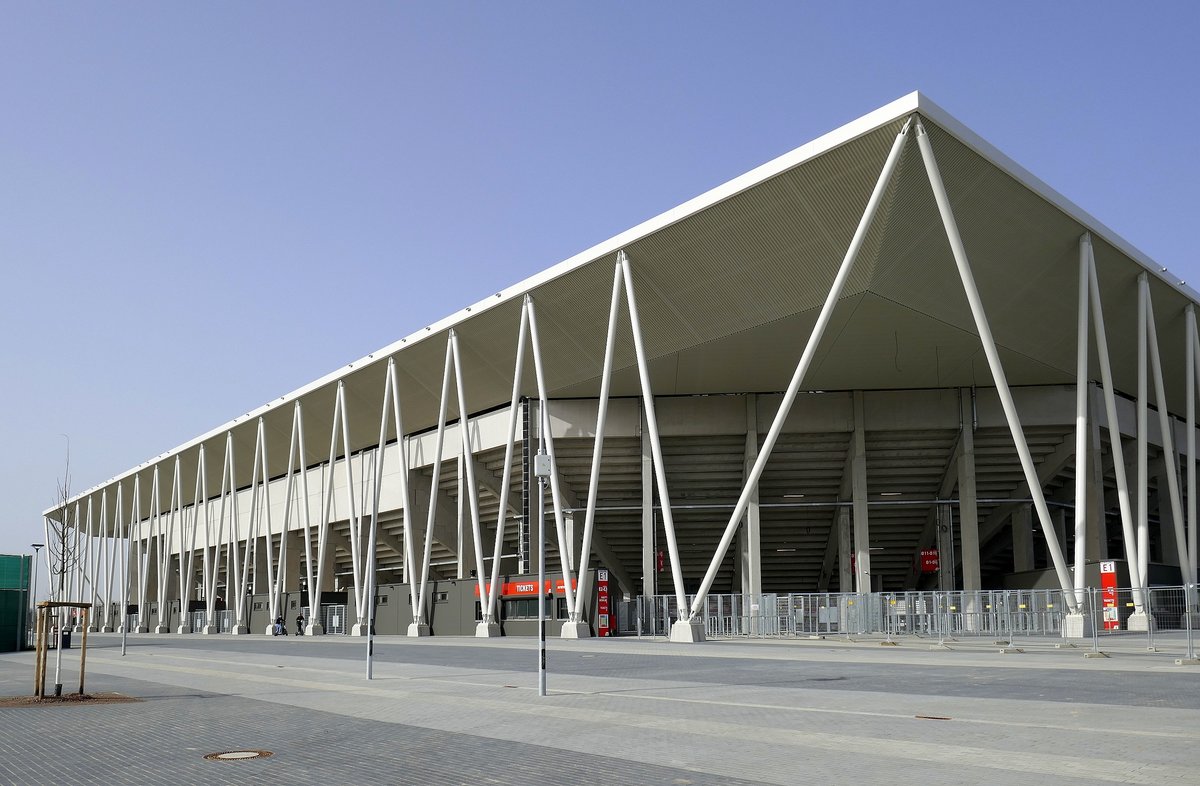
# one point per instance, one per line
(888, 361)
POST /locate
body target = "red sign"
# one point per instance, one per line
(930, 562)
(605, 623)
(526, 588)
(1108, 595)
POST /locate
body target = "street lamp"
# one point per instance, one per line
(37, 547)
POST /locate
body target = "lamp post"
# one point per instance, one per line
(37, 547)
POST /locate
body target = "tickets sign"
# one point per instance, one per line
(526, 588)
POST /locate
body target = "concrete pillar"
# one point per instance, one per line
(465, 539)
(1096, 548)
(1022, 538)
(292, 557)
(258, 585)
(752, 540)
(968, 513)
(1058, 517)
(845, 573)
(947, 578)
(1168, 548)
(649, 553)
(858, 482)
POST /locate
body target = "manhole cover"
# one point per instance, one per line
(238, 755)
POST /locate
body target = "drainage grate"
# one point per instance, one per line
(239, 755)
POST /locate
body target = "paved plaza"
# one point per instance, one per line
(620, 711)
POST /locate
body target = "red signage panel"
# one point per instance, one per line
(1108, 595)
(605, 622)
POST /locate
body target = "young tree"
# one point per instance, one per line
(61, 554)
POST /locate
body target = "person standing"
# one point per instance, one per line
(299, 624)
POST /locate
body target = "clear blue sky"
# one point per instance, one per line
(184, 185)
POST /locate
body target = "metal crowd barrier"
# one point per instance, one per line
(1159, 615)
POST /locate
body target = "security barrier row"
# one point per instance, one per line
(1000, 615)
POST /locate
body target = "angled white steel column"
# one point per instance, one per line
(214, 566)
(488, 626)
(126, 538)
(1143, 459)
(261, 502)
(377, 467)
(109, 557)
(355, 518)
(311, 569)
(1114, 432)
(1081, 417)
(133, 540)
(419, 626)
(187, 566)
(464, 433)
(664, 494)
(323, 524)
(589, 521)
(993, 358)
(1169, 457)
(391, 397)
(810, 349)
(157, 547)
(275, 610)
(169, 542)
(88, 564)
(555, 490)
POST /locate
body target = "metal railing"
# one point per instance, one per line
(1161, 615)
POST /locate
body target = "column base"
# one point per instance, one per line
(240, 630)
(358, 629)
(93, 629)
(106, 629)
(161, 629)
(1140, 620)
(1190, 616)
(576, 630)
(684, 632)
(419, 629)
(486, 630)
(77, 629)
(208, 630)
(1076, 626)
(314, 629)
(183, 629)
(141, 629)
